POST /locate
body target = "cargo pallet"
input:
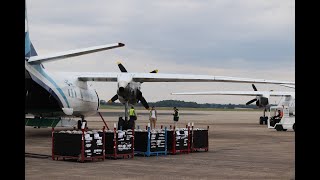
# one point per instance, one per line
(81, 157)
(173, 150)
(116, 153)
(148, 151)
(195, 147)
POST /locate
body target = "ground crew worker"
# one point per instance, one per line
(133, 117)
(175, 116)
(278, 116)
(153, 117)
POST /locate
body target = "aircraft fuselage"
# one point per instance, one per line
(57, 94)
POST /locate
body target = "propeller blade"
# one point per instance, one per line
(254, 87)
(144, 102)
(142, 99)
(121, 67)
(251, 101)
(113, 99)
(154, 71)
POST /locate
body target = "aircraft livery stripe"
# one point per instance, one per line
(47, 88)
(39, 69)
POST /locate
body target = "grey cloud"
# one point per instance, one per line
(239, 38)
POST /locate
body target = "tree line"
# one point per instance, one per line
(178, 103)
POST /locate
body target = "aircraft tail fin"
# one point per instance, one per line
(29, 49)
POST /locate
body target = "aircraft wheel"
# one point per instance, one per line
(261, 121)
(284, 129)
(79, 124)
(294, 127)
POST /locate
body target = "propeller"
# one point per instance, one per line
(121, 67)
(139, 93)
(142, 99)
(254, 87)
(255, 99)
(113, 99)
(251, 101)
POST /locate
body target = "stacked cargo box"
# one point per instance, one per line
(80, 145)
(151, 142)
(178, 140)
(199, 139)
(119, 143)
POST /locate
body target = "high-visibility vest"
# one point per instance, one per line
(176, 113)
(132, 112)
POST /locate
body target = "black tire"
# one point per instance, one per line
(294, 127)
(284, 129)
(265, 120)
(261, 121)
(79, 124)
(279, 127)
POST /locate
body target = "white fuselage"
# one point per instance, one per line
(75, 98)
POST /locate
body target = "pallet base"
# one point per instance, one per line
(123, 156)
(200, 149)
(77, 158)
(157, 153)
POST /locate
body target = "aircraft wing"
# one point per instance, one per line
(72, 53)
(289, 86)
(239, 93)
(112, 77)
(161, 77)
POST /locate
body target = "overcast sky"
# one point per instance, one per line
(240, 38)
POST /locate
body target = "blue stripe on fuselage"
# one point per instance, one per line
(40, 70)
(42, 84)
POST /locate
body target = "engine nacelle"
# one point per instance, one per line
(262, 102)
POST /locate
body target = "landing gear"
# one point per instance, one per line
(126, 106)
(264, 118)
(80, 122)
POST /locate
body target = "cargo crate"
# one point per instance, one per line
(119, 144)
(151, 142)
(199, 139)
(79, 145)
(178, 140)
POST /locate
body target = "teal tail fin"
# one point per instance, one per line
(29, 49)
